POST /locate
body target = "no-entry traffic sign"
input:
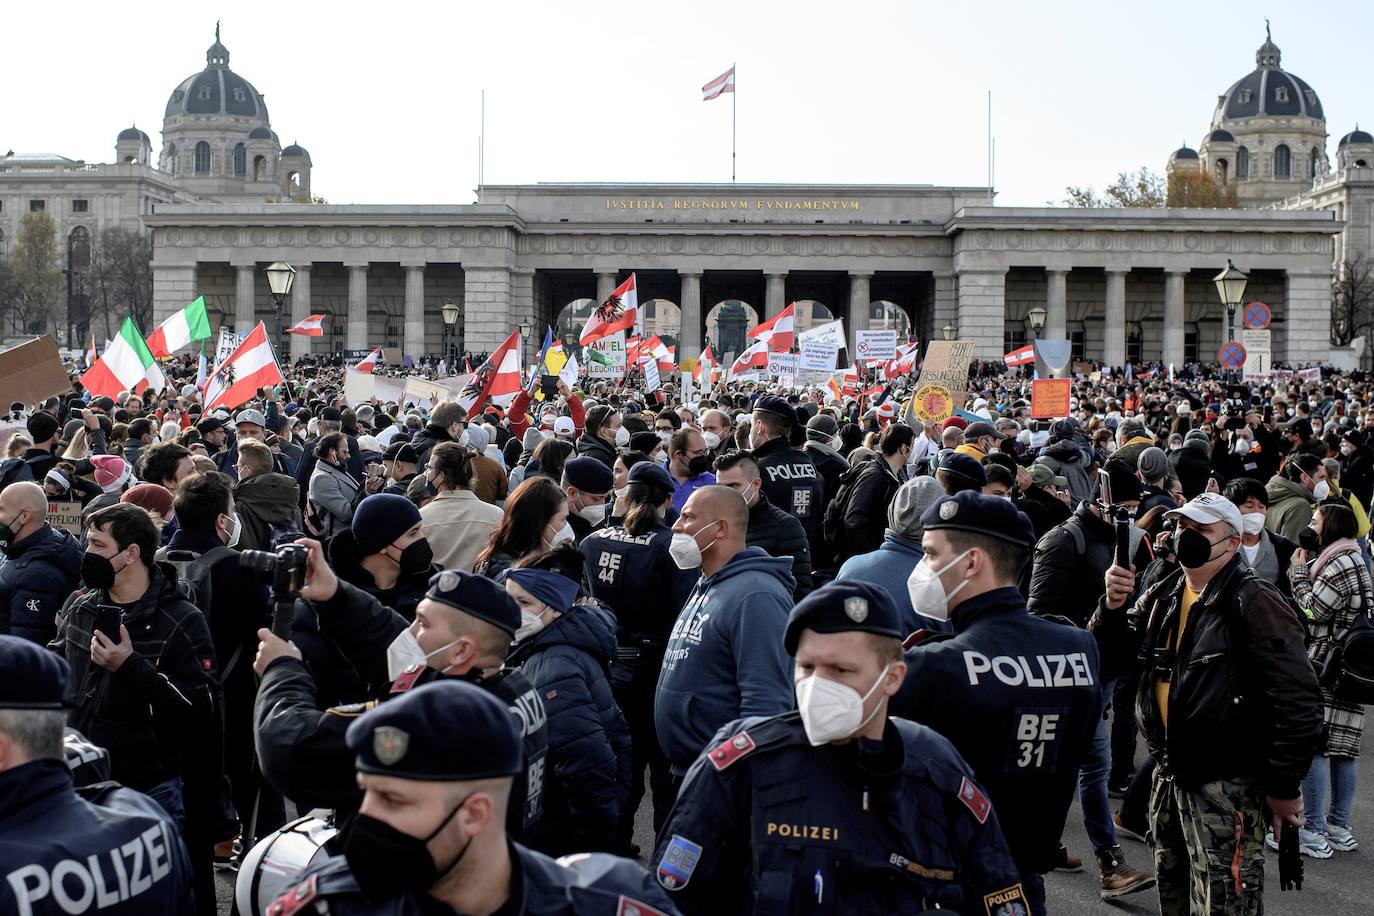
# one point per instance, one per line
(1256, 316)
(1231, 354)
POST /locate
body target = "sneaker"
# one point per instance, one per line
(1270, 841)
(1341, 838)
(1127, 832)
(1117, 790)
(1118, 878)
(1313, 844)
(1068, 864)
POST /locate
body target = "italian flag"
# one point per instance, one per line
(237, 380)
(126, 365)
(617, 313)
(777, 331)
(190, 324)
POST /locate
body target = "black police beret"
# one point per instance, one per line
(447, 730)
(965, 466)
(975, 513)
(843, 606)
(650, 473)
(31, 677)
(777, 406)
(475, 595)
(589, 474)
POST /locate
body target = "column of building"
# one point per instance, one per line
(245, 313)
(1056, 304)
(357, 336)
(173, 287)
(1307, 317)
(300, 309)
(775, 293)
(859, 300)
(1114, 325)
(982, 310)
(487, 319)
(689, 302)
(413, 336)
(1173, 317)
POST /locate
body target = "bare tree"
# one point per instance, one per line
(121, 278)
(35, 285)
(1352, 303)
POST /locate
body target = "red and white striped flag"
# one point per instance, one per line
(310, 327)
(90, 353)
(904, 363)
(720, 85)
(369, 362)
(777, 331)
(756, 357)
(237, 380)
(1022, 357)
(617, 313)
(667, 360)
(705, 365)
(497, 378)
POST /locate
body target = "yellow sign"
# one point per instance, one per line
(932, 403)
(731, 203)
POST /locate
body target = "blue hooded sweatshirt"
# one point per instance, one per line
(725, 659)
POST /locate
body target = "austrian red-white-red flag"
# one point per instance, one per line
(310, 327)
(237, 380)
(369, 362)
(498, 378)
(756, 357)
(777, 331)
(904, 363)
(720, 85)
(1025, 356)
(617, 313)
(706, 364)
(667, 360)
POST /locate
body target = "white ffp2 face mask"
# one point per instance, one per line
(685, 550)
(405, 653)
(927, 590)
(1252, 522)
(1321, 491)
(831, 711)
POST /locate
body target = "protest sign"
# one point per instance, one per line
(946, 367)
(1258, 352)
(818, 356)
(831, 333)
(876, 345)
(780, 364)
(32, 372)
(1050, 398)
(651, 379)
(66, 516)
(606, 357)
(227, 344)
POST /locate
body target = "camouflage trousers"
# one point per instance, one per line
(1209, 847)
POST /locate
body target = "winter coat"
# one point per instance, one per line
(305, 468)
(1192, 466)
(1067, 460)
(1334, 599)
(1066, 582)
(332, 492)
(782, 536)
(458, 525)
(596, 447)
(265, 502)
(1290, 507)
(865, 515)
(589, 771)
(1357, 474)
(889, 567)
(1044, 509)
(38, 574)
(725, 658)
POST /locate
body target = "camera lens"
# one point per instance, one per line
(260, 564)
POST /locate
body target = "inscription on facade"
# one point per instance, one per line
(729, 203)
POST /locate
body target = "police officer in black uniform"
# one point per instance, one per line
(628, 567)
(1018, 695)
(436, 767)
(790, 480)
(835, 807)
(462, 629)
(102, 848)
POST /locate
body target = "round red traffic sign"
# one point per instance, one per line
(1256, 316)
(1231, 354)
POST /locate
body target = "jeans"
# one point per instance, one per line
(168, 795)
(1135, 807)
(1092, 781)
(1332, 777)
(1124, 730)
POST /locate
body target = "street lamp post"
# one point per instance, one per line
(1036, 317)
(449, 311)
(1231, 288)
(525, 328)
(950, 332)
(280, 276)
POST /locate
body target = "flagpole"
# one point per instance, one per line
(734, 95)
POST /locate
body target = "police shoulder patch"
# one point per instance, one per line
(1009, 901)
(299, 897)
(974, 799)
(680, 858)
(730, 750)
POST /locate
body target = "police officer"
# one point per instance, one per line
(462, 629)
(436, 767)
(789, 476)
(629, 568)
(1018, 695)
(835, 807)
(108, 848)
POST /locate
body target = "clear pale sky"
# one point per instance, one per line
(385, 96)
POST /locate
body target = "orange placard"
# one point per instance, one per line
(1050, 398)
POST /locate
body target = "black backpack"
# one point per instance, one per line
(832, 524)
(1348, 671)
(193, 572)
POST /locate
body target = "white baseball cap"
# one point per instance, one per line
(1206, 508)
(563, 426)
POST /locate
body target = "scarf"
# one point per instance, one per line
(1344, 545)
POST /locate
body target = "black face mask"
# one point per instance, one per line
(1192, 548)
(416, 557)
(388, 863)
(97, 571)
(699, 465)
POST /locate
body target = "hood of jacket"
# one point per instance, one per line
(271, 496)
(1280, 490)
(753, 560)
(587, 627)
(53, 545)
(588, 443)
(1064, 450)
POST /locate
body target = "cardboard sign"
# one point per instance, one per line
(831, 333)
(423, 392)
(780, 364)
(32, 372)
(612, 349)
(651, 376)
(818, 356)
(932, 403)
(946, 366)
(66, 516)
(1258, 354)
(1050, 398)
(876, 345)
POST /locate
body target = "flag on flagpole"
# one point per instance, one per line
(618, 313)
(498, 378)
(369, 362)
(90, 353)
(668, 361)
(190, 324)
(777, 331)
(200, 369)
(310, 327)
(126, 365)
(903, 364)
(705, 365)
(1022, 357)
(250, 367)
(756, 357)
(540, 364)
(719, 86)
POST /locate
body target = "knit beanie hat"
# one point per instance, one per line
(111, 472)
(381, 519)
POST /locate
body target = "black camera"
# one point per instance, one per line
(283, 569)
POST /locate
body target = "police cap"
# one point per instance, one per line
(475, 595)
(649, 473)
(971, 511)
(447, 731)
(778, 407)
(31, 677)
(843, 606)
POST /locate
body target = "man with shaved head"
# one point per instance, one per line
(42, 567)
(725, 658)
